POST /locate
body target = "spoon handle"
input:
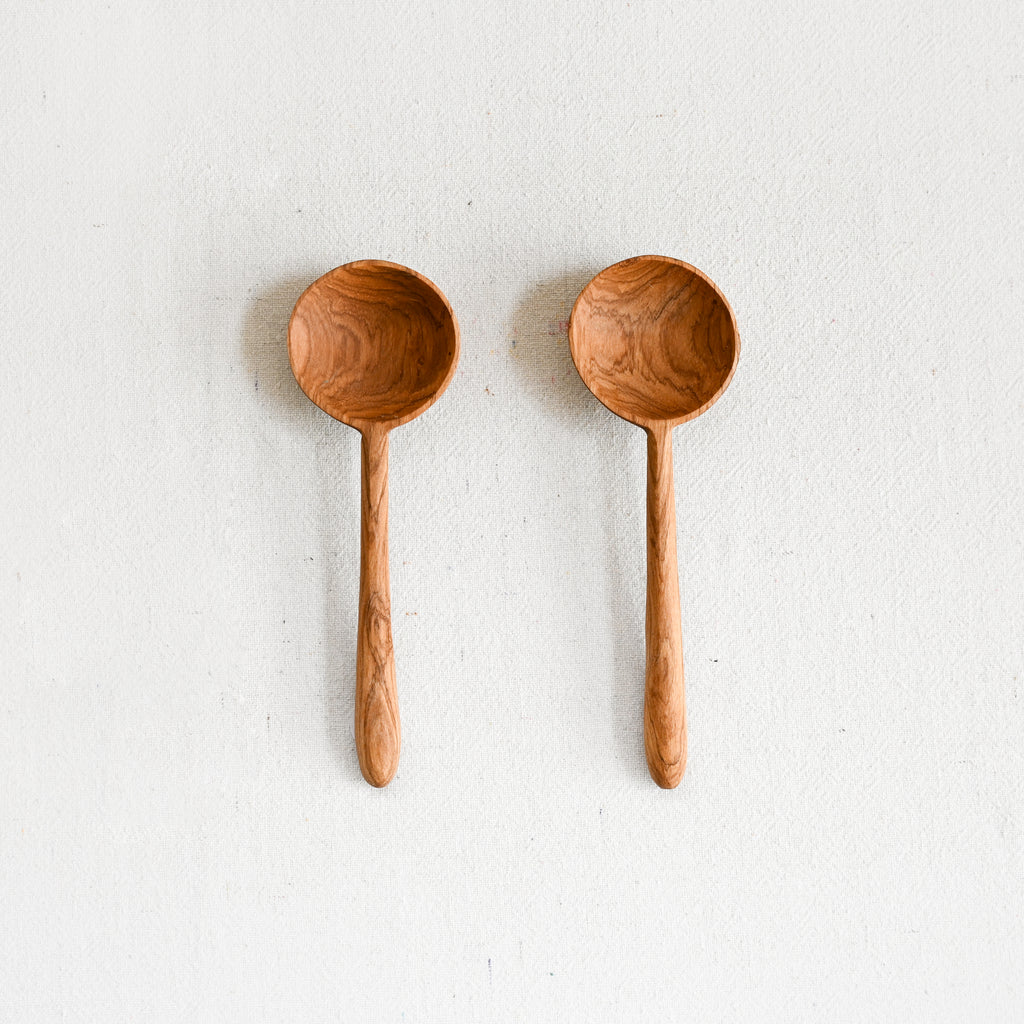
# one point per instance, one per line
(378, 730)
(664, 696)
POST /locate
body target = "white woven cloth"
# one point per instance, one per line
(185, 835)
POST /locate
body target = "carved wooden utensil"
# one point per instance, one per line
(373, 344)
(656, 342)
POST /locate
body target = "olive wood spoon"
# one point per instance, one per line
(374, 344)
(656, 342)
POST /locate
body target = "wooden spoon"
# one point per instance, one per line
(373, 344)
(656, 342)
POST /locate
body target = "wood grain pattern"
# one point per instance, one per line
(378, 728)
(656, 342)
(374, 344)
(664, 694)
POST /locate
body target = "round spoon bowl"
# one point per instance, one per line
(654, 339)
(373, 342)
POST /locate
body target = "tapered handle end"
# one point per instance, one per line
(378, 740)
(378, 727)
(665, 744)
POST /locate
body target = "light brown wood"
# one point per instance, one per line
(378, 727)
(664, 695)
(374, 344)
(656, 342)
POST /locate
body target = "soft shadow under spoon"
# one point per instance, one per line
(374, 344)
(656, 342)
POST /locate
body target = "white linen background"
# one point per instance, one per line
(185, 834)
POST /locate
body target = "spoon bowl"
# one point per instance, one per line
(656, 342)
(374, 344)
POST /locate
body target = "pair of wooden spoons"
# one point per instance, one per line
(374, 344)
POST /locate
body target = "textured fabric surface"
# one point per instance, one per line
(185, 835)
